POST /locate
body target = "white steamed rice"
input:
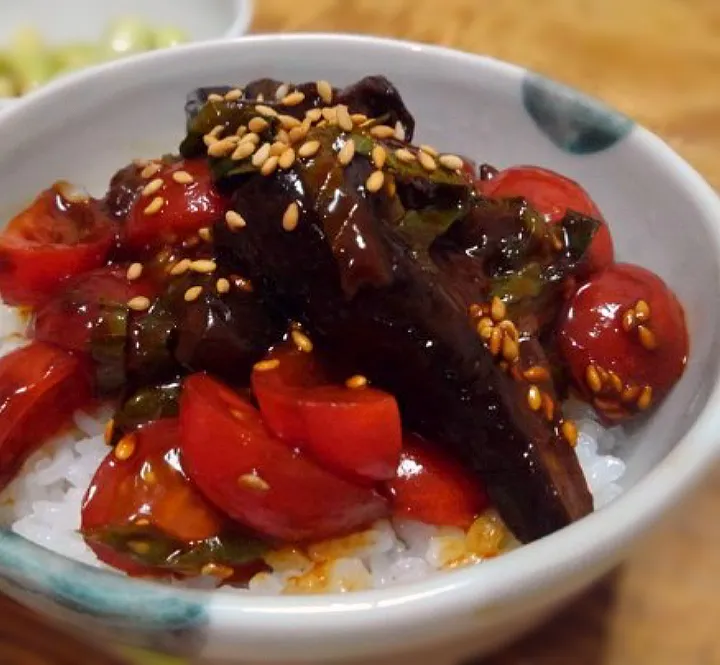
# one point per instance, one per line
(43, 505)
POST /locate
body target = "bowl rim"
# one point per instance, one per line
(536, 566)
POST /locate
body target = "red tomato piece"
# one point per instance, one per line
(54, 239)
(185, 207)
(434, 488)
(68, 318)
(552, 195)
(257, 479)
(149, 487)
(625, 341)
(40, 388)
(356, 433)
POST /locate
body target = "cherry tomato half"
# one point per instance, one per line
(552, 195)
(149, 487)
(40, 388)
(624, 339)
(68, 318)
(257, 479)
(433, 488)
(356, 433)
(55, 238)
(183, 207)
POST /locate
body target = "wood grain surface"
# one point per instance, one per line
(658, 61)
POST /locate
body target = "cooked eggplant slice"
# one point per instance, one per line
(357, 271)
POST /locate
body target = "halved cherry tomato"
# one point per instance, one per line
(624, 339)
(54, 239)
(69, 317)
(433, 488)
(148, 488)
(184, 207)
(40, 388)
(552, 195)
(257, 479)
(356, 433)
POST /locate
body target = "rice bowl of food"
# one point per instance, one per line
(288, 349)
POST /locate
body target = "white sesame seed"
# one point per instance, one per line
(269, 166)
(193, 293)
(241, 131)
(346, 153)
(309, 148)
(205, 234)
(244, 150)
(181, 267)
(291, 217)
(223, 147)
(235, 220)
(203, 266)
(375, 181)
(233, 95)
(282, 136)
(313, 115)
(182, 178)
(382, 131)
(222, 285)
(258, 124)
(251, 137)
(150, 170)
(324, 89)
(287, 159)
(404, 155)
(302, 341)
(379, 156)
(452, 162)
(330, 114)
(214, 97)
(266, 111)
(298, 134)
(254, 482)
(426, 161)
(153, 187)
(358, 118)
(216, 131)
(289, 122)
(282, 91)
(138, 303)
(154, 206)
(429, 150)
(343, 118)
(261, 155)
(278, 148)
(134, 271)
(293, 99)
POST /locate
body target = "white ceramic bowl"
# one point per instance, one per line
(662, 214)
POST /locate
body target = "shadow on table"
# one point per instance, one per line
(576, 635)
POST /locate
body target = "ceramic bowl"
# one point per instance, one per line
(662, 214)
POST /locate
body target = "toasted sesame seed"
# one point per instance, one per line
(642, 311)
(569, 431)
(153, 187)
(223, 147)
(379, 156)
(269, 166)
(235, 220)
(630, 393)
(293, 99)
(109, 428)
(309, 148)
(510, 349)
(214, 97)
(534, 398)
(346, 153)
(266, 111)
(125, 448)
(628, 320)
(404, 155)
(313, 115)
(181, 267)
(452, 162)
(616, 382)
(382, 132)
(233, 95)
(217, 570)
(647, 338)
(154, 206)
(375, 181)
(150, 170)
(498, 309)
(182, 178)
(476, 310)
(141, 521)
(297, 134)
(278, 148)
(251, 137)
(548, 407)
(390, 187)
(243, 151)
(356, 381)
(399, 131)
(324, 89)
(508, 327)
(254, 482)
(134, 271)
(358, 118)
(263, 152)
(344, 120)
(426, 161)
(282, 90)
(537, 374)
(140, 547)
(193, 293)
(287, 159)
(241, 131)
(289, 122)
(266, 365)
(429, 150)
(592, 378)
(205, 234)
(291, 217)
(302, 341)
(485, 327)
(258, 124)
(222, 285)
(496, 338)
(203, 266)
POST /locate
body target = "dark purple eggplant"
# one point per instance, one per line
(358, 273)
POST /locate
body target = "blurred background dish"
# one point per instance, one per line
(43, 39)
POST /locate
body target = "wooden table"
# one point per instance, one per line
(658, 61)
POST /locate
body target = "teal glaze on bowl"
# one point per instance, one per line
(573, 121)
(73, 586)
